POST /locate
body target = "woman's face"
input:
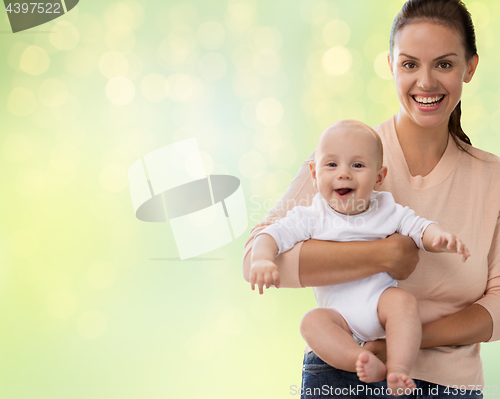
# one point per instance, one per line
(429, 67)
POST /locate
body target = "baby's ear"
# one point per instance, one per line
(382, 173)
(313, 173)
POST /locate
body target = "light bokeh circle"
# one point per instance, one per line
(92, 324)
(61, 304)
(30, 182)
(266, 64)
(17, 147)
(34, 60)
(154, 87)
(114, 178)
(246, 84)
(24, 243)
(267, 39)
(101, 274)
(64, 36)
(21, 102)
(252, 164)
(53, 93)
(80, 61)
(269, 111)
(120, 91)
(65, 157)
(239, 16)
(337, 60)
(113, 64)
(211, 35)
(180, 87)
(213, 66)
(336, 33)
(381, 66)
(120, 38)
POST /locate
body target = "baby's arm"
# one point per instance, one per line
(435, 239)
(264, 271)
(281, 236)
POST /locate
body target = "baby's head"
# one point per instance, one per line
(347, 165)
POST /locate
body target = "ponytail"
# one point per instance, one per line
(455, 128)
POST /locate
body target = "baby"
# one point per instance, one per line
(347, 168)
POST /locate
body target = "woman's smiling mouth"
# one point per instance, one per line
(428, 101)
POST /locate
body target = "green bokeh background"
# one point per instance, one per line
(90, 305)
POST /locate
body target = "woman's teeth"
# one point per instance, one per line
(428, 101)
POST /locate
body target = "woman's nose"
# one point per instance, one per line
(427, 80)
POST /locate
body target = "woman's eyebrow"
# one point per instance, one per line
(435, 59)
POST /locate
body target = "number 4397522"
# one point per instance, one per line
(32, 8)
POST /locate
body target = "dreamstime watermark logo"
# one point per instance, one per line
(205, 212)
(25, 15)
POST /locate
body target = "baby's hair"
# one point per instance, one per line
(380, 146)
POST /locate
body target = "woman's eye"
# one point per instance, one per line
(444, 65)
(410, 65)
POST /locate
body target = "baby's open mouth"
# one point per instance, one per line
(343, 191)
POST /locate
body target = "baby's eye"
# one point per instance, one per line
(358, 165)
(331, 164)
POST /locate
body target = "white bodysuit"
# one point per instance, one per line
(356, 301)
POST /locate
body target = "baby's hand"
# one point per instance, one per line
(450, 243)
(264, 272)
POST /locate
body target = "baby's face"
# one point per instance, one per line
(347, 167)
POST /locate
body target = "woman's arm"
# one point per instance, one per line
(318, 263)
(468, 326)
(478, 322)
(326, 263)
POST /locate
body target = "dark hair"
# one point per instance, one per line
(450, 13)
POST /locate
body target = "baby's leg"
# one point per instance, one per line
(328, 335)
(398, 313)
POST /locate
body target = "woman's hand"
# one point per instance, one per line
(378, 348)
(401, 256)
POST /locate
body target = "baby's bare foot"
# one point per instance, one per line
(399, 383)
(370, 368)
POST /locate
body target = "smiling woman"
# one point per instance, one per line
(429, 79)
(428, 156)
(439, 64)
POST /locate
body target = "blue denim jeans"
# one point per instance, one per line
(321, 381)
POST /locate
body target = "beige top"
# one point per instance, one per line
(462, 194)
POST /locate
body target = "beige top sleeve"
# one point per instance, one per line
(491, 299)
(300, 192)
